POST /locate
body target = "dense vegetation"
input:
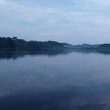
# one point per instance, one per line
(20, 44)
(49, 46)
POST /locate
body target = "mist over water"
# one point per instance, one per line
(73, 81)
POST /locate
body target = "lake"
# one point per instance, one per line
(69, 81)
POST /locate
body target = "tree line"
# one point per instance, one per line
(15, 43)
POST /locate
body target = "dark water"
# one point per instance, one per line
(74, 81)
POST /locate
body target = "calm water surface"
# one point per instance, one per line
(73, 81)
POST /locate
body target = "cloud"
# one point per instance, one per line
(2, 2)
(77, 23)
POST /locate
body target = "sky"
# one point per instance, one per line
(72, 21)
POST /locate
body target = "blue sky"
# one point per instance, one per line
(73, 21)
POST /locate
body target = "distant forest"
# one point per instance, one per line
(21, 44)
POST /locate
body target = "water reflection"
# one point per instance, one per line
(12, 54)
(73, 81)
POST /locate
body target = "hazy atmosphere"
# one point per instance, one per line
(72, 21)
(54, 54)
